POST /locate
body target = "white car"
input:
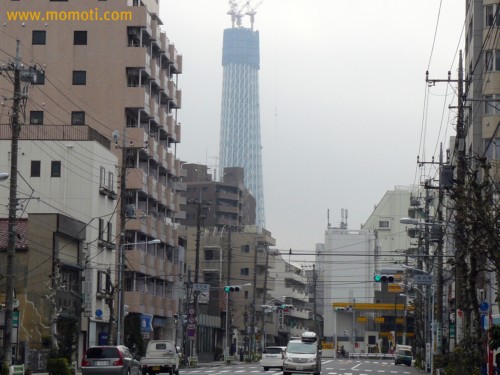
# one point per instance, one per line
(273, 356)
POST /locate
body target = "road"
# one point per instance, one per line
(329, 367)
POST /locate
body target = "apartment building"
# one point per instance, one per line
(227, 202)
(118, 78)
(237, 257)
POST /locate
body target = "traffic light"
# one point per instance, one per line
(125, 310)
(176, 318)
(286, 307)
(231, 288)
(383, 278)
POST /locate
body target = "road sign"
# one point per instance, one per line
(394, 288)
(423, 279)
(202, 288)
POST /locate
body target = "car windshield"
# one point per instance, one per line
(273, 350)
(102, 353)
(301, 348)
(405, 353)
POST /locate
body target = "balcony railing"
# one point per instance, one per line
(56, 133)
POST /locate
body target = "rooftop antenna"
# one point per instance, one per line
(328, 218)
(251, 11)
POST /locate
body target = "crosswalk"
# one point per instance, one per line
(329, 367)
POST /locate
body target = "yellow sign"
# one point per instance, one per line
(327, 345)
(379, 319)
(399, 320)
(362, 319)
(394, 288)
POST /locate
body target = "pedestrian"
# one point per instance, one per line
(241, 355)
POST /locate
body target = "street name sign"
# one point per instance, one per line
(423, 279)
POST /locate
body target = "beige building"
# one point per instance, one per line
(117, 77)
(239, 258)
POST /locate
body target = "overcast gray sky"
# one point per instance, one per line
(345, 108)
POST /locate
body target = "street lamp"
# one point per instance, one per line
(4, 176)
(266, 308)
(121, 260)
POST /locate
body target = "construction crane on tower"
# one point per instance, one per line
(251, 11)
(239, 9)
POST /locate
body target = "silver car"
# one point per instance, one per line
(109, 360)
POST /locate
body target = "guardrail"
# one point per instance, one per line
(372, 355)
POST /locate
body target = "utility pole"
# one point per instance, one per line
(460, 243)
(29, 75)
(254, 291)
(110, 297)
(315, 313)
(120, 329)
(199, 205)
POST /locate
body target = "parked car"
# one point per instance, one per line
(109, 360)
(272, 357)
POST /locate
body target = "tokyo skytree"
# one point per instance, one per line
(240, 143)
(240, 139)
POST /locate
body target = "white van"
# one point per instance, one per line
(303, 355)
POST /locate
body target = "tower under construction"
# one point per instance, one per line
(240, 143)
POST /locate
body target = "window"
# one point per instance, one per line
(244, 272)
(110, 181)
(245, 248)
(35, 168)
(102, 178)
(490, 16)
(492, 61)
(55, 168)
(101, 282)
(492, 148)
(110, 232)
(384, 224)
(492, 107)
(36, 117)
(77, 118)
(39, 37)
(80, 38)
(101, 229)
(79, 77)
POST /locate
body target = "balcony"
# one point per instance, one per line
(212, 265)
(136, 97)
(134, 301)
(226, 208)
(136, 179)
(173, 58)
(135, 57)
(178, 133)
(171, 90)
(227, 195)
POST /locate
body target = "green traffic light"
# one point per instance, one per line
(378, 278)
(227, 289)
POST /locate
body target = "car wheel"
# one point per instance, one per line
(286, 373)
(176, 372)
(266, 368)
